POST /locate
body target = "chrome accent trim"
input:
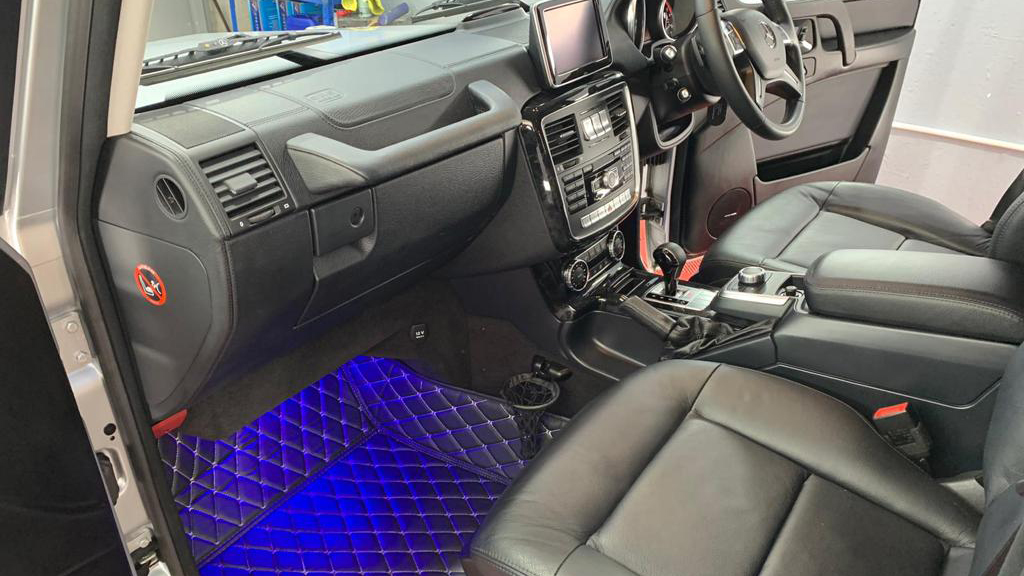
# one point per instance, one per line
(768, 299)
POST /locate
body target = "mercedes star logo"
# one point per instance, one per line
(769, 35)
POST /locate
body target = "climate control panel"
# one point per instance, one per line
(591, 263)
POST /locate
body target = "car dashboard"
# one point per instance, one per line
(242, 224)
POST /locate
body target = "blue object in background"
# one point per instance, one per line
(393, 14)
(290, 14)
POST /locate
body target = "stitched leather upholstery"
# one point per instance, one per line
(789, 231)
(940, 293)
(705, 469)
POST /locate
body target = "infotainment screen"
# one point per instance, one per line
(572, 39)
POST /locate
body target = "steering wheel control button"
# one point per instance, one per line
(752, 276)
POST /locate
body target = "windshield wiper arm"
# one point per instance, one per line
(442, 8)
(227, 51)
(439, 5)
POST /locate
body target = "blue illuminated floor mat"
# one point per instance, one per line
(372, 470)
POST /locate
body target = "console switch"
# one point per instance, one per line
(752, 276)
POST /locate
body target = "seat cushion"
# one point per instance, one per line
(791, 230)
(696, 468)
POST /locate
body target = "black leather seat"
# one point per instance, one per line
(789, 231)
(703, 469)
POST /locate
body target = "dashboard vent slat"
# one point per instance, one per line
(563, 139)
(619, 113)
(247, 160)
(170, 197)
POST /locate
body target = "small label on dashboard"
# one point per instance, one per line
(150, 285)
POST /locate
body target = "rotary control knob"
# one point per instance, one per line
(611, 179)
(617, 245)
(576, 275)
(752, 276)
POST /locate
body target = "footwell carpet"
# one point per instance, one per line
(372, 470)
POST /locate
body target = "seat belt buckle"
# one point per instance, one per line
(901, 427)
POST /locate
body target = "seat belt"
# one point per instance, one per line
(1010, 559)
(1011, 195)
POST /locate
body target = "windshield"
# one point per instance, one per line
(212, 44)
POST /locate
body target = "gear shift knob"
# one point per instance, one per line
(670, 257)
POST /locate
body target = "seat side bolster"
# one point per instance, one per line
(833, 441)
(764, 233)
(551, 510)
(910, 215)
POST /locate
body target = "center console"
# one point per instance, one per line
(592, 149)
(866, 327)
(579, 135)
(582, 150)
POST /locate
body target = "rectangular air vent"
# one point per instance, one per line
(563, 138)
(245, 184)
(616, 104)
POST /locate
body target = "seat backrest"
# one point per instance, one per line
(1008, 222)
(1004, 470)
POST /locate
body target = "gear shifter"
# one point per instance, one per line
(670, 257)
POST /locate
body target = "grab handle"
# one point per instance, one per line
(327, 165)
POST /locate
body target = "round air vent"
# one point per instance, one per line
(170, 198)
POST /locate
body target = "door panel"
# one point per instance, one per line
(855, 68)
(55, 516)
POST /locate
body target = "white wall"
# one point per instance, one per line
(179, 18)
(965, 82)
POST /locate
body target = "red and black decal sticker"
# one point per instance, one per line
(150, 285)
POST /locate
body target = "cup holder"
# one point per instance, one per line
(530, 396)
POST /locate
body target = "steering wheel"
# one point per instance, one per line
(750, 54)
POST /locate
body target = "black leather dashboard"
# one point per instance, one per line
(263, 215)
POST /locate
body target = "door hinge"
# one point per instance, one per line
(145, 553)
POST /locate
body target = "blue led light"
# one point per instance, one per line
(372, 470)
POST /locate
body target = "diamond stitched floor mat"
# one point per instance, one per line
(257, 502)
(385, 508)
(471, 427)
(222, 485)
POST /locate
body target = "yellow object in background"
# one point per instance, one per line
(376, 6)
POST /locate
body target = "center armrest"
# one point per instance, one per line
(941, 293)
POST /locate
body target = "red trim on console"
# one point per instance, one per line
(690, 269)
(890, 411)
